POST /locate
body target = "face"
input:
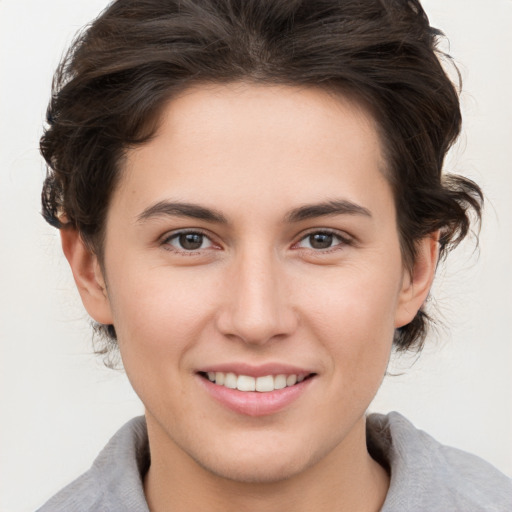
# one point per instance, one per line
(252, 244)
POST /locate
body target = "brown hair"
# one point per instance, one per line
(120, 71)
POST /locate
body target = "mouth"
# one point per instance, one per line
(262, 394)
(248, 383)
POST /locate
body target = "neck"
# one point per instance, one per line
(346, 479)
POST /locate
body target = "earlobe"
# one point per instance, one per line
(88, 275)
(416, 284)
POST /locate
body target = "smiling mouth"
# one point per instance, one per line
(264, 384)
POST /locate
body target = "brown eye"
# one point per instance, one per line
(189, 241)
(322, 240)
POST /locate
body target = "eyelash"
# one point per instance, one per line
(175, 236)
(343, 239)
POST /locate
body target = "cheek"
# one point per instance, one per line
(354, 318)
(360, 303)
(158, 312)
(159, 319)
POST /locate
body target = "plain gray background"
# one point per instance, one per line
(60, 406)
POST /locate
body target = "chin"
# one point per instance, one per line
(268, 471)
(263, 466)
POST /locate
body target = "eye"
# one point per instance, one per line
(322, 240)
(188, 241)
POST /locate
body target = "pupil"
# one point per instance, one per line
(321, 240)
(191, 241)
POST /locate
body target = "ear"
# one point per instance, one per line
(88, 275)
(416, 283)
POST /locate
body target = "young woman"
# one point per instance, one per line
(251, 200)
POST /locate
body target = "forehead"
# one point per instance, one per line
(247, 115)
(294, 144)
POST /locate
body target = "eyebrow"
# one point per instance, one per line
(195, 211)
(178, 209)
(334, 207)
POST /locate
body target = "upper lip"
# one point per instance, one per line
(256, 370)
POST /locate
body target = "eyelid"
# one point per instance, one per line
(344, 237)
(170, 235)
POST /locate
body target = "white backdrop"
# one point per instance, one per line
(60, 406)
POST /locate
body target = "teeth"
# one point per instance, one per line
(291, 380)
(248, 383)
(230, 381)
(264, 384)
(279, 381)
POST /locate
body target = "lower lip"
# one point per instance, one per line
(254, 403)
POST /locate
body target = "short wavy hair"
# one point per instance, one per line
(127, 64)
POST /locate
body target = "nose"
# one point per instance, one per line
(257, 307)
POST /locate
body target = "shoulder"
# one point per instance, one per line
(114, 481)
(426, 475)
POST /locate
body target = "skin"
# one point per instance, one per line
(257, 291)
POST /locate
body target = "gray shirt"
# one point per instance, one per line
(426, 476)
